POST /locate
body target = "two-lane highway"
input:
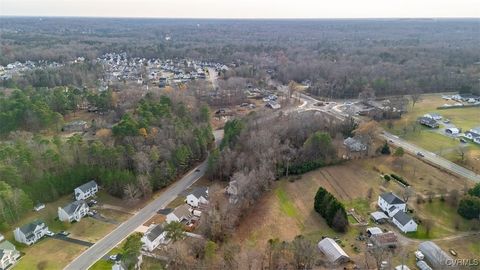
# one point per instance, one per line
(99, 249)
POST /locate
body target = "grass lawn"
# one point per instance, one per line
(106, 264)
(464, 118)
(49, 253)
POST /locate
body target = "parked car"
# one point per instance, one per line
(49, 233)
(64, 233)
(420, 154)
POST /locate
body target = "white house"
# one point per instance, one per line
(86, 190)
(477, 140)
(180, 214)
(153, 237)
(452, 131)
(30, 233)
(74, 211)
(391, 203)
(8, 255)
(198, 196)
(404, 222)
(39, 207)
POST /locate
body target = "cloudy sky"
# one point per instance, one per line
(244, 8)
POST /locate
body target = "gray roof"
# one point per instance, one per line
(72, 207)
(200, 192)
(422, 265)
(402, 218)
(434, 255)
(30, 227)
(354, 144)
(154, 232)
(85, 187)
(6, 245)
(332, 250)
(182, 211)
(378, 215)
(474, 135)
(391, 198)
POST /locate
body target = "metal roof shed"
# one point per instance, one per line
(333, 252)
(435, 256)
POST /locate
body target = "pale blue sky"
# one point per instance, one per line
(244, 8)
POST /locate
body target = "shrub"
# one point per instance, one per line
(400, 179)
(386, 177)
(469, 207)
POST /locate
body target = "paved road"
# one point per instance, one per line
(432, 157)
(99, 249)
(395, 140)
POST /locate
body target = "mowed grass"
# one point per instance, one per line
(286, 205)
(464, 118)
(48, 254)
(104, 264)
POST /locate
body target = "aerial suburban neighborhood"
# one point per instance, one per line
(239, 135)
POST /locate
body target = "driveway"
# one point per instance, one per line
(72, 240)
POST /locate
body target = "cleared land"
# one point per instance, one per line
(434, 139)
(288, 211)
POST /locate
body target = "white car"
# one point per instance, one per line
(49, 233)
(113, 257)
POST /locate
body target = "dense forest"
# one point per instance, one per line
(340, 58)
(159, 140)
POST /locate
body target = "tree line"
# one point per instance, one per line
(331, 210)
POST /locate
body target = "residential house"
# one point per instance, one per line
(477, 140)
(153, 237)
(86, 190)
(452, 131)
(30, 233)
(74, 211)
(429, 122)
(180, 214)
(471, 135)
(354, 145)
(388, 239)
(332, 251)
(434, 116)
(391, 203)
(9, 255)
(404, 222)
(435, 256)
(197, 197)
(273, 105)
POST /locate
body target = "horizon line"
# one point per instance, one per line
(240, 18)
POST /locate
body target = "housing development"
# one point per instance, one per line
(150, 143)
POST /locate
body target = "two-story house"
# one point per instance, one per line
(404, 222)
(74, 211)
(30, 233)
(391, 203)
(153, 237)
(86, 190)
(8, 255)
(182, 214)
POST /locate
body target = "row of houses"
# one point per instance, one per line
(185, 213)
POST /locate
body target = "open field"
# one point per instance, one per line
(288, 211)
(434, 140)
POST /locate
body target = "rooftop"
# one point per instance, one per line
(391, 198)
(402, 217)
(85, 187)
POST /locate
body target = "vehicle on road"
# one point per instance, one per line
(197, 170)
(420, 154)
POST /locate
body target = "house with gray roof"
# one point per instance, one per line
(390, 203)
(197, 197)
(332, 251)
(86, 190)
(404, 222)
(153, 237)
(30, 233)
(73, 211)
(182, 214)
(9, 255)
(429, 122)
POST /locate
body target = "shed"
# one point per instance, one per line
(373, 231)
(378, 216)
(434, 255)
(332, 251)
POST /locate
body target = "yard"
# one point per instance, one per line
(435, 140)
(51, 253)
(288, 211)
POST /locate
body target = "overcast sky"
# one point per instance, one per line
(244, 8)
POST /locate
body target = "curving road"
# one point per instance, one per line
(99, 249)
